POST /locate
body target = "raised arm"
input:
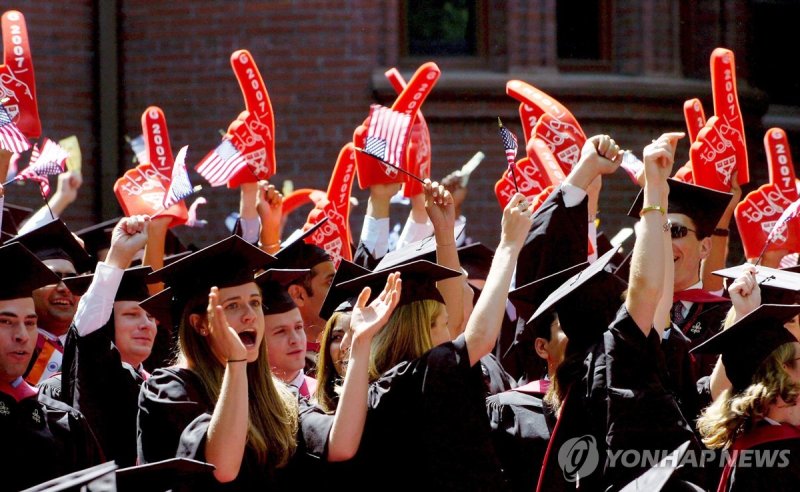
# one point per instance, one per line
(441, 210)
(351, 413)
(483, 326)
(646, 282)
(719, 242)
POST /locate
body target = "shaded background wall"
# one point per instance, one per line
(625, 71)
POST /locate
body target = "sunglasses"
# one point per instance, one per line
(678, 231)
(63, 275)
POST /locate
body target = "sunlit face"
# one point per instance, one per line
(321, 279)
(134, 332)
(17, 337)
(687, 253)
(242, 307)
(341, 359)
(439, 330)
(286, 343)
(55, 304)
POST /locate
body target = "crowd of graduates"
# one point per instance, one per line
(548, 360)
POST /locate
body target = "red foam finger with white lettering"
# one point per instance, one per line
(17, 81)
(726, 107)
(533, 174)
(298, 198)
(562, 140)
(334, 236)
(759, 212)
(141, 190)
(541, 103)
(714, 156)
(695, 117)
(685, 173)
(255, 136)
(418, 153)
(528, 116)
(370, 170)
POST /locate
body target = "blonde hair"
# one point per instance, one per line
(327, 377)
(273, 412)
(733, 414)
(406, 336)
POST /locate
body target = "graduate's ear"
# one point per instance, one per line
(705, 248)
(540, 345)
(298, 294)
(198, 322)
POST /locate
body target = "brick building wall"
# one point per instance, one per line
(323, 62)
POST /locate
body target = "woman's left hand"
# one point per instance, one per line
(367, 320)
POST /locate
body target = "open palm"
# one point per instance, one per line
(368, 319)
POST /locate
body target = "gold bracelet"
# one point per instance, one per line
(651, 208)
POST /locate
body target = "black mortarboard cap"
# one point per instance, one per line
(275, 299)
(232, 261)
(13, 216)
(55, 241)
(623, 270)
(526, 298)
(703, 205)
(424, 249)
(163, 307)
(295, 253)
(132, 287)
(663, 474)
(98, 236)
(23, 272)
(587, 302)
(99, 478)
(175, 474)
(336, 297)
(419, 281)
(746, 343)
(778, 286)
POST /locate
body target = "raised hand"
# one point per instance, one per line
(367, 320)
(127, 238)
(221, 335)
(659, 157)
(517, 221)
(758, 214)
(440, 206)
(745, 292)
(269, 203)
(17, 81)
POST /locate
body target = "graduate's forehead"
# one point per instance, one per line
(244, 291)
(22, 307)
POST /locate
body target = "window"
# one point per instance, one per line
(443, 28)
(583, 34)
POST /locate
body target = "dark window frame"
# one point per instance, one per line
(604, 63)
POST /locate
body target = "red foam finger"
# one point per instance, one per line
(334, 236)
(756, 216)
(528, 116)
(541, 103)
(779, 162)
(685, 173)
(140, 191)
(255, 137)
(156, 140)
(695, 117)
(17, 80)
(562, 140)
(726, 107)
(533, 175)
(295, 199)
(714, 156)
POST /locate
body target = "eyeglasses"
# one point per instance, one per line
(678, 231)
(63, 275)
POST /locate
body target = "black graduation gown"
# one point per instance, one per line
(427, 427)
(520, 427)
(703, 321)
(622, 402)
(783, 477)
(495, 377)
(681, 380)
(42, 439)
(174, 415)
(95, 381)
(363, 258)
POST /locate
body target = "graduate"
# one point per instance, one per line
(54, 244)
(760, 413)
(427, 416)
(42, 437)
(220, 403)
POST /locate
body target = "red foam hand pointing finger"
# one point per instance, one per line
(695, 117)
(726, 107)
(370, 170)
(714, 156)
(562, 139)
(418, 154)
(17, 81)
(253, 134)
(758, 213)
(141, 190)
(539, 104)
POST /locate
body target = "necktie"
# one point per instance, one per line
(677, 313)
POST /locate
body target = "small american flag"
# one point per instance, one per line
(788, 214)
(47, 158)
(221, 164)
(510, 145)
(386, 135)
(11, 138)
(179, 187)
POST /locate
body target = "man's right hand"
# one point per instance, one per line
(127, 238)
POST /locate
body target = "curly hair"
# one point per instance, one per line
(733, 414)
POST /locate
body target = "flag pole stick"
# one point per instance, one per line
(412, 175)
